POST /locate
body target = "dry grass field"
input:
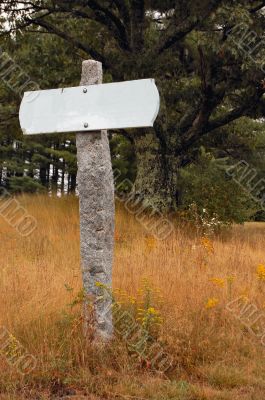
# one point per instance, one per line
(216, 345)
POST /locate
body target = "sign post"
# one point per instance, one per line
(89, 110)
(96, 197)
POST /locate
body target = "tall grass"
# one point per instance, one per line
(215, 356)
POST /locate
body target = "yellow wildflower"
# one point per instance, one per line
(150, 242)
(261, 272)
(230, 279)
(207, 244)
(132, 300)
(244, 298)
(152, 311)
(244, 295)
(217, 281)
(211, 303)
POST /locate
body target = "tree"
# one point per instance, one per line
(33, 163)
(192, 48)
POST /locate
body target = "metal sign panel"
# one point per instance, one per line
(129, 104)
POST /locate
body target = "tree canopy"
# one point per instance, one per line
(206, 56)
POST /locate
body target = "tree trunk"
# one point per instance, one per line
(30, 168)
(63, 178)
(72, 183)
(157, 173)
(137, 25)
(43, 176)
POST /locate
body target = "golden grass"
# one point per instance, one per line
(215, 357)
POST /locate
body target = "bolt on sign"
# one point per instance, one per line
(89, 110)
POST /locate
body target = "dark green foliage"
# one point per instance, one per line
(211, 83)
(24, 184)
(123, 162)
(207, 184)
(35, 163)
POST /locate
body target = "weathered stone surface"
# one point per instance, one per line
(96, 194)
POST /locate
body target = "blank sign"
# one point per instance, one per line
(131, 104)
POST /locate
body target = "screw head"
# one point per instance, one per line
(85, 90)
(85, 125)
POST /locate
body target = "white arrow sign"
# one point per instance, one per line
(131, 104)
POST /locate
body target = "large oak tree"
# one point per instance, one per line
(205, 57)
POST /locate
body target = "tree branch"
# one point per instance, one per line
(115, 25)
(53, 29)
(118, 33)
(250, 104)
(186, 27)
(257, 8)
(10, 117)
(100, 14)
(123, 9)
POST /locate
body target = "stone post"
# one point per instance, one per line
(96, 199)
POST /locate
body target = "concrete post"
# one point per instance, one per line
(96, 198)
